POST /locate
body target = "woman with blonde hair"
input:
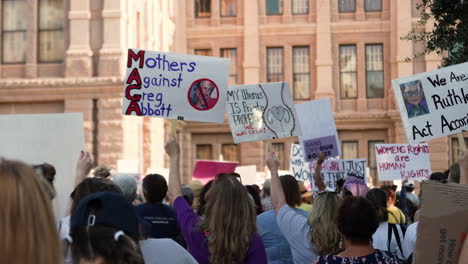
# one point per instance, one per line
(226, 233)
(27, 226)
(308, 237)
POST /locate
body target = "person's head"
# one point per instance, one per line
(128, 185)
(89, 186)
(291, 190)
(266, 188)
(390, 190)
(188, 194)
(104, 228)
(206, 87)
(154, 188)
(27, 224)
(306, 195)
(357, 221)
(202, 198)
(323, 214)
(439, 176)
(46, 173)
(454, 173)
(409, 187)
(378, 199)
(230, 219)
(354, 186)
(413, 93)
(102, 172)
(255, 193)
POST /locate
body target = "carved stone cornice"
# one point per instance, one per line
(60, 82)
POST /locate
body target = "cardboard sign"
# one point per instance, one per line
(443, 224)
(206, 170)
(433, 104)
(403, 161)
(56, 139)
(248, 174)
(175, 86)
(318, 129)
(332, 170)
(261, 111)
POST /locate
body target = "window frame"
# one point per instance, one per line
(221, 9)
(236, 75)
(39, 31)
(366, 10)
(280, 4)
(195, 14)
(2, 31)
(203, 144)
(347, 142)
(356, 71)
(294, 74)
(237, 151)
(292, 8)
(349, 11)
(282, 63)
(383, 69)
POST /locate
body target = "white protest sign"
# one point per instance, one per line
(175, 86)
(261, 111)
(56, 139)
(318, 129)
(403, 161)
(248, 174)
(331, 171)
(433, 104)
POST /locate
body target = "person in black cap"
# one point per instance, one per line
(104, 228)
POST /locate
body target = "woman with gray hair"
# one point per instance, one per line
(128, 185)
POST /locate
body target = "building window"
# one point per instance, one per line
(300, 7)
(278, 149)
(51, 37)
(274, 7)
(301, 73)
(228, 8)
(204, 152)
(14, 31)
(374, 71)
(202, 52)
(348, 73)
(229, 152)
(274, 64)
(345, 6)
(349, 149)
(373, 5)
(202, 8)
(231, 54)
(456, 149)
(371, 162)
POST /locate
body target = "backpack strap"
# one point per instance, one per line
(389, 239)
(397, 236)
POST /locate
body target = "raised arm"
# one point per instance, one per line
(83, 167)
(463, 163)
(318, 173)
(277, 194)
(173, 150)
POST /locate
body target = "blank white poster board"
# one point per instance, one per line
(53, 138)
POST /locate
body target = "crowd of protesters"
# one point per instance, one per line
(224, 221)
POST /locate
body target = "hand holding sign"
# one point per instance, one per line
(272, 163)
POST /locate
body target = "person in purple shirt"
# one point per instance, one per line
(226, 232)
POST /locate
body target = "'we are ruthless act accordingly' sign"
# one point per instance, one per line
(175, 86)
(433, 104)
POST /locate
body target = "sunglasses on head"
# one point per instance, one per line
(235, 175)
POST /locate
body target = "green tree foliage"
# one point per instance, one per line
(449, 35)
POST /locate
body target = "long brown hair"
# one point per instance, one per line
(230, 218)
(324, 234)
(27, 226)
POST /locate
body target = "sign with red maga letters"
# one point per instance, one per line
(403, 161)
(175, 86)
(206, 170)
(261, 111)
(433, 104)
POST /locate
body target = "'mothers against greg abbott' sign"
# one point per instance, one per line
(175, 86)
(433, 104)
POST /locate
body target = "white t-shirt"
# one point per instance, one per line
(380, 239)
(410, 239)
(295, 229)
(164, 250)
(64, 230)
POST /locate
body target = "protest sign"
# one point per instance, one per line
(261, 111)
(175, 86)
(433, 104)
(331, 171)
(318, 129)
(403, 161)
(442, 226)
(248, 174)
(56, 139)
(206, 170)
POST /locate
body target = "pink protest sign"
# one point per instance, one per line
(206, 170)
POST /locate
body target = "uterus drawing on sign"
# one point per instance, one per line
(277, 115)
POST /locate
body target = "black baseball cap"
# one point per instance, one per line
(112, 209)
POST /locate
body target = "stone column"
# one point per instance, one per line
(32, 39)
(324, 60)
(78, 59)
